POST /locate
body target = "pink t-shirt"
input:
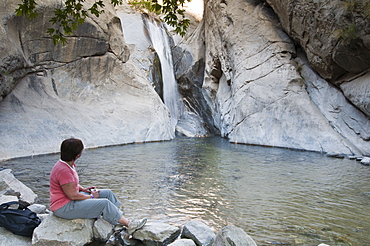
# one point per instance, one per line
(61, 174)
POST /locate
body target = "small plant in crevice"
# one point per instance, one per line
(349, 33)
(355, 9)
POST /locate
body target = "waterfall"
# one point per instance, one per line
(160, 42)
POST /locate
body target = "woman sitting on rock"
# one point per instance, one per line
(69, 200)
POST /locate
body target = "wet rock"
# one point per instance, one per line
(25, 193)
(233, 236)
(199, 232)
(156, 234)
(335, 155)
(365, 161)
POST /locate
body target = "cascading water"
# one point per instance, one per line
(160, 43)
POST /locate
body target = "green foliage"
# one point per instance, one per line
(71, 14)
(174, 14)
(27, 8)
(69, 18)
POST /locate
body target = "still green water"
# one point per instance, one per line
(277, 196)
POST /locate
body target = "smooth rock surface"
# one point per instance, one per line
(5, 198)
(262, 99)
(233, 236)
(102, 229)
(26, 194)
(188, 55)
(335, 36)
(59, 232)
(199, 232)
(88, 89)
(357, 91)
(37, 208)
(345, 119)
(7, 238)
(194, 118)
(183, 242)
(157, 233)
(365, 161)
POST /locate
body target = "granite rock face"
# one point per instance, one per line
(88, 89)
(194, 114)
(256, 90)
(357, 91)
(334, 34)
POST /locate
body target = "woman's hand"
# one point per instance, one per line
(95, 193)
(90, 188)
(87, 190)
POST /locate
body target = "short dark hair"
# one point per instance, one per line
(70, 149)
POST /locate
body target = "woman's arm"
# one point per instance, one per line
(87, 190)
(70, 190)
(80, 188)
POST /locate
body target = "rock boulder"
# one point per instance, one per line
(233, 236)
(15, 186)
(61, 232)
(183, 242)
(199, 232)
(365, 161)
(157, 233)
(102, 229)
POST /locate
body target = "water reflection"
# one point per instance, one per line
(278, 196)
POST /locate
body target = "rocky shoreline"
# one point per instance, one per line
(93, 232)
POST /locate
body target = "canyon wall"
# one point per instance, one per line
(255, 72)
(256, 85)
(88, 89)
(336, 38)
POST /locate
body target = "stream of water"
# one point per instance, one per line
(160, 42)
(277, 196)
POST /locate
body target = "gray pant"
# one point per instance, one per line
(106, 205)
